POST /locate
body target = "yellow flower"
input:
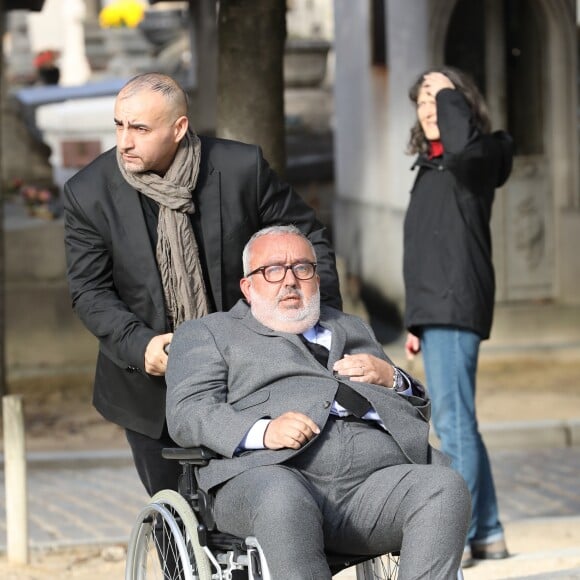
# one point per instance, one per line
(122, 13)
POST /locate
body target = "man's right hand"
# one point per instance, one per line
(155, 355)
(291, 430)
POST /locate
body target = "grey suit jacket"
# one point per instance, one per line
(227, 370)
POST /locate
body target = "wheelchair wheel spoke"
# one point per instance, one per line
(163, 553)
(385, 568)
(164, 545)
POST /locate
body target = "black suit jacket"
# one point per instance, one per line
(113, 277)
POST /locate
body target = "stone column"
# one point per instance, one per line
(407, 57)
(373, 118)
(203, 70)
(19, 59)
(75, 68)
(495, 70)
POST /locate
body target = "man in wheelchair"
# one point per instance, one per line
(324, 449)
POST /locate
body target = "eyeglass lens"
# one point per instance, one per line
(276, 273)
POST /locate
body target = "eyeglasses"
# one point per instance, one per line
(277, 272)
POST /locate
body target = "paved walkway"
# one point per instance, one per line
(93, 498)
(78, 500)
(537, 484)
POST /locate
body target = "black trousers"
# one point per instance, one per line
(155, 472)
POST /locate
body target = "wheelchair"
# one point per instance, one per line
(175, 538)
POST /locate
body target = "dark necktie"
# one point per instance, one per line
(345, 396)
(319, 351)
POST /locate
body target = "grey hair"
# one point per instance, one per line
(278, 230)
(158, 83)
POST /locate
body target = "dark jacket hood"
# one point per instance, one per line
(507, 147)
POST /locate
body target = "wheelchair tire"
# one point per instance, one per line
(164, 544)
(385, 568)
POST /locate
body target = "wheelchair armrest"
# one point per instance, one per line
(195, 455)
(187, 485)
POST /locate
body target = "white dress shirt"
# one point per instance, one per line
(254, 439)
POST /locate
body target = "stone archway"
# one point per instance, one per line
(543, 188)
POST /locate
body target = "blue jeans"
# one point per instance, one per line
(450, 359)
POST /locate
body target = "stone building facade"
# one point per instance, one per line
(524, 56)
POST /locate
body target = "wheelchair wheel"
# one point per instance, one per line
(385, 568)
(164, 544)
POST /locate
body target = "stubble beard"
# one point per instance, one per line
(136, 165)
(133, 168)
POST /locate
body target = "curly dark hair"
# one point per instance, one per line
(463, 82)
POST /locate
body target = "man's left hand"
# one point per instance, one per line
(365, 368)
(156, 355)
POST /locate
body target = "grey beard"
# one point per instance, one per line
(292, 321)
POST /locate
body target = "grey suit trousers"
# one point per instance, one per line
(353, 492)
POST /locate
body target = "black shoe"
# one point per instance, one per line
(493, 551)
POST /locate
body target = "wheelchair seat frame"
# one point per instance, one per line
(175, 537)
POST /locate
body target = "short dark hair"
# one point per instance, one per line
(158, 83)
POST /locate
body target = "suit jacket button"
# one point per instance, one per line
(326, 404)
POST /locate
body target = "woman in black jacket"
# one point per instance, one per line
(449, 277)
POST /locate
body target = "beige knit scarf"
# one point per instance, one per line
(177, 252)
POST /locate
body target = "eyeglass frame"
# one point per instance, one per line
(262, 270)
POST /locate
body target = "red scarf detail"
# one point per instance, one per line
(435, 149)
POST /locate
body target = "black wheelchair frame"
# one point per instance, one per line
(175, 537)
